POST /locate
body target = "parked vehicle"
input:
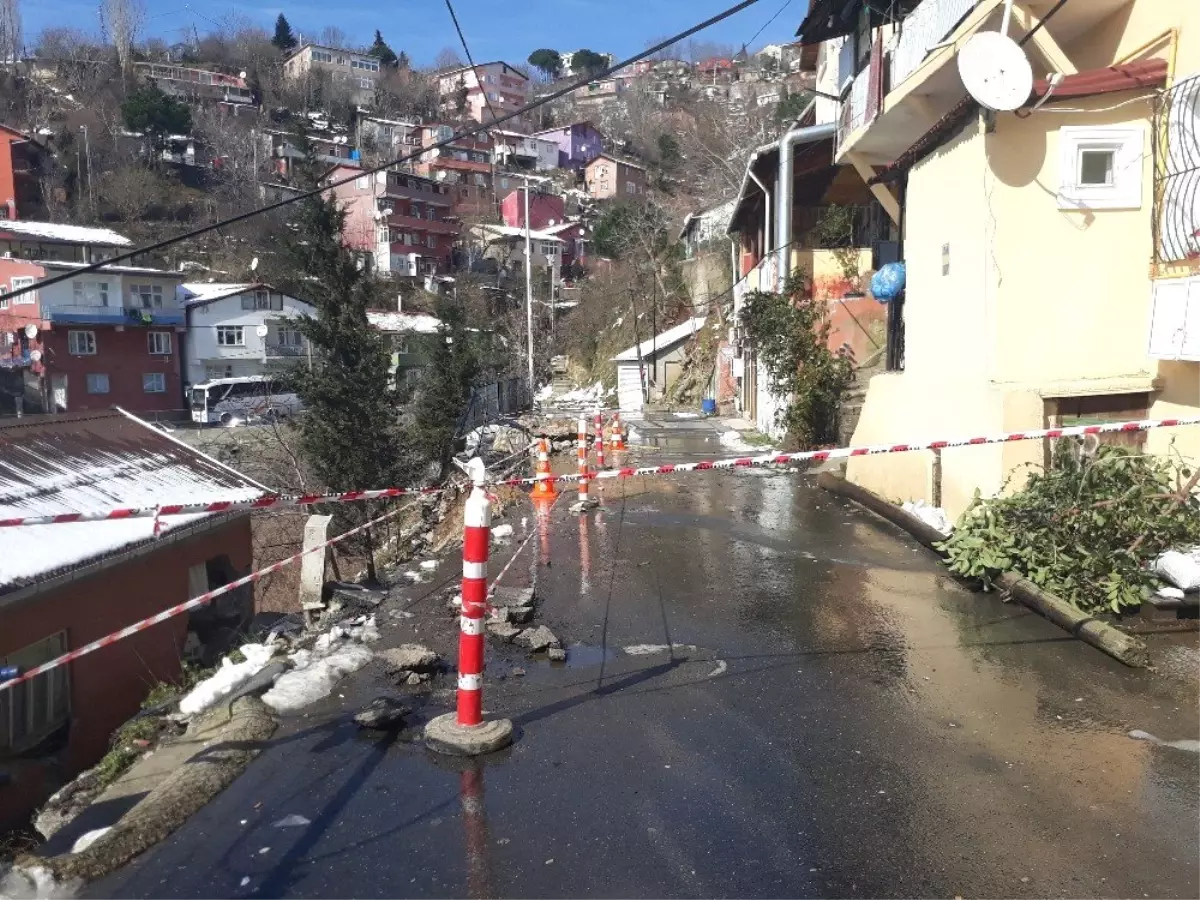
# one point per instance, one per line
(226, 401)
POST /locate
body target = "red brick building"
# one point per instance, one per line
(63, 586)
(109, 337)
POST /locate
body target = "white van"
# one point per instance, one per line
(228, 400)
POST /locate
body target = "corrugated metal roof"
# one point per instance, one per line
(664, 342)
(89, 462)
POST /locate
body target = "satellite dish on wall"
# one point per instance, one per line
(31, 331)
(995, 71)
(261, 330)
(35, 355)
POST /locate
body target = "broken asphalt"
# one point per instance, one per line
(769, 692)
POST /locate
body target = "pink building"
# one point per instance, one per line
(607, 177)
(397, 217)
(489, 86)
(464, 166)
(545, 210)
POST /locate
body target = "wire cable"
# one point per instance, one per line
(470, 59)
(316, 192)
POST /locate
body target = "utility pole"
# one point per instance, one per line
(529, 290)
(87, 154)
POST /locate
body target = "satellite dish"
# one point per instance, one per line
(551, 222)
(242, 74)
(254, 264)
(31, 331)
(995, 71)
(35, 355)
(261, 330)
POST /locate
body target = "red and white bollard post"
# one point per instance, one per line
(599, 426)
(464, 733)
(581, 455)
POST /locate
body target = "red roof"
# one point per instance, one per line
(1132, 76)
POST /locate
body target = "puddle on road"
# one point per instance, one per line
(579, 656)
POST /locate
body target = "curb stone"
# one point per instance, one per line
(1101, 635)
(231, 743)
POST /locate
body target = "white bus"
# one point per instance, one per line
(229, 400)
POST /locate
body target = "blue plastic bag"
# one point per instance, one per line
(888, 282)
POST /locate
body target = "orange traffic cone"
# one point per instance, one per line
(544, 488)
(618, 434)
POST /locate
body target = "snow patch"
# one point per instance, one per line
(86, 839)
(336, 654)
(1180, 567)
(734, 441)
(227, 679)
(34, 883)
(933, 516)
(545, 392)
(687, 415)
(429, 564)
(502, 532)
(651, 649)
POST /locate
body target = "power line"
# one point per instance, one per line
(470, 59)
(778, 12)
(316, 192)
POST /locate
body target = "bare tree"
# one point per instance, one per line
(122, 21)
(332, 36)
(448, 58)
(11, 44)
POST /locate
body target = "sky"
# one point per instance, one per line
(509, 29)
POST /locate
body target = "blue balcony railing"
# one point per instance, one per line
(72, 314)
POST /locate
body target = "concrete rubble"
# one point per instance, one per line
(381, 713)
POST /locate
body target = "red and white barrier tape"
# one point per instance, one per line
(189, 604)
(769, 459)
(215, 506)
(780, 459)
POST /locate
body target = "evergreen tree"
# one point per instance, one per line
(446, 386)
(381, 51)
(148, 110)
(546, 61)
(350, 433)
(283, 39)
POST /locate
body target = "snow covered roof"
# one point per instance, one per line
(207, 291)
(513, 231)
(563, 226)
(662, 343)
(89, 462)
(416, 323)
(67, 234)
(118, 269)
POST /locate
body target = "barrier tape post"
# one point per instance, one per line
(544, 488)
(464, 732)
(599, 426)
(581, 454)
(618, 434)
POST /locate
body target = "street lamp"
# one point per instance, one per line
(529, 282)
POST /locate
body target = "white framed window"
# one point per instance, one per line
(23, 281)
(97, 383)
(431, 240)
(34, 709)
(362, 183)
(1175, 319)
(230, 336)
(90, 293)
(289, 337)
(154, 383)
(159, 343)
(81, 343)
(1100, 167)
(365, 83)
(146, 296)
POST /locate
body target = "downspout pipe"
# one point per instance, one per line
(784, 188)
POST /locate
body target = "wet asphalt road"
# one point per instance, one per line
(839, 718)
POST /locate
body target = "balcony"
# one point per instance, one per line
(81, 314)
(460, 165)
(15, 358)
(856, 110)
(431, 226)
(1177, 178)
(284, 351)
(926, 27)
